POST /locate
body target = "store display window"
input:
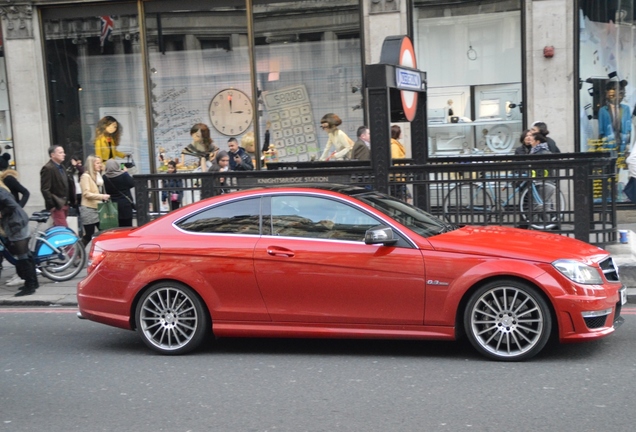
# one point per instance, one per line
(607, 86)
(472, 56)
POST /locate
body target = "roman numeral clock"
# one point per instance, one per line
(231, 112)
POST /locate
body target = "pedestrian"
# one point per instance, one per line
(118, 183)
(9, 178)
(56, 186)
(107, 135)
(542, 128)
(525, 139)
(15, 223)
(221, 164)
(362, 147)
(240, 160)
(92, 185)
(172, 187)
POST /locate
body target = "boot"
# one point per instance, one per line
(27, 268)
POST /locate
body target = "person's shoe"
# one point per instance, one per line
(25, 292)
(15, 281)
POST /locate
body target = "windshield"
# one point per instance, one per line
(410, 216)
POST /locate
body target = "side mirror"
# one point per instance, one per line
(380, 235)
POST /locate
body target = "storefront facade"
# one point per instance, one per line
(161, 66)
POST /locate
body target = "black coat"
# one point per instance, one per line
(57, 187)
(119, 190)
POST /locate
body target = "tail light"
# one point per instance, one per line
(95, 256)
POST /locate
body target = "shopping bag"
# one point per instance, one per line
(108, 215)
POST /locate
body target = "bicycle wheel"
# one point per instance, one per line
(542, 205)
(468, 204)
(67, 264)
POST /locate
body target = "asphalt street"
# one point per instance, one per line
(60, 373)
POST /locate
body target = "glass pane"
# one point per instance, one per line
(6, 135)
(200, 75)
(308, 64)
(239, 217)
(94, 70)
(607, 66)
(472, 56)
(310, 217)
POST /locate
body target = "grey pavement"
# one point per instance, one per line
(64, 293)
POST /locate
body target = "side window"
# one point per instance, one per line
(313, 217)
(238, 217)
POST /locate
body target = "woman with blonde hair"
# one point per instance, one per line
(338, 139)
(107, 135)
(91, 183)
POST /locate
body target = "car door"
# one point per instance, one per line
(313, 266)
(217, 245)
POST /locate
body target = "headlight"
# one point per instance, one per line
(578, 272)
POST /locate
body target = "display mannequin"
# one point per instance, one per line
(107, 134)
(338, 139)
(202, 146)
(614, 119)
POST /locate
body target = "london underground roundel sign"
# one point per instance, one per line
(398, 51)
(407, 58)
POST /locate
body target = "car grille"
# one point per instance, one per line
(595, 322)
(609, 269)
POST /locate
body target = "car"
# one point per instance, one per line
(337, 261)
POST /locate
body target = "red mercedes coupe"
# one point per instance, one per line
(345, 262)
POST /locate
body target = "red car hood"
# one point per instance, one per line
(516, 243)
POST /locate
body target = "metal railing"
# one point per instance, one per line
(571, 194)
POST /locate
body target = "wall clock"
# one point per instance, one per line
(231, 112)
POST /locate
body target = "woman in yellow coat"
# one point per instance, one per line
(397, 149)
(107, 134)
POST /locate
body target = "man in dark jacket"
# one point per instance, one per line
(239, 159)
(15, 223)
(362, 148)
(57, 188)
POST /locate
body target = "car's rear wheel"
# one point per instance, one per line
(171, 318)
(508, 320)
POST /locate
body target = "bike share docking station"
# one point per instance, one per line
(396, 92)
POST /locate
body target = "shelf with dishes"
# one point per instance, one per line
(474, 119)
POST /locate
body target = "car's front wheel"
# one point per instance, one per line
(171, 318)
(508, 320)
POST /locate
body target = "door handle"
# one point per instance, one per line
(277, 251)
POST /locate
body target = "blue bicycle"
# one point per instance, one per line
(537, 203)
(58, 253)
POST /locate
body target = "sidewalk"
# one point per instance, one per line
(64, 293)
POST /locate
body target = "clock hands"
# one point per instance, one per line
(229, 98)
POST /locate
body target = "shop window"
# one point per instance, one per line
(607, 83)
(6, 135)
(204, 80)
(472, 56)
(308, 60)
(94, 70)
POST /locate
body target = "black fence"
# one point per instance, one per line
(573, 194)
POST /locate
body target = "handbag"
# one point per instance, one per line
(108, 215)
(130, 162)
(630, 189)
(174, 197)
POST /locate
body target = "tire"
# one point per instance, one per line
(543, 213)
(468, 204)
(508, 320)
(171, 319)
(67, 266)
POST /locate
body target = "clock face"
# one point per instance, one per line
(231, 112)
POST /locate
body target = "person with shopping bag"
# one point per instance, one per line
(92, 185)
